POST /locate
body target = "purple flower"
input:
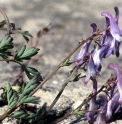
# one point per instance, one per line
(98, 55)
(101, 118)
(92, 104)
(79, 56)
(114, 29)
(84, 49)
(113, 106)
(119, 80)
(113, 48)
(91, 70)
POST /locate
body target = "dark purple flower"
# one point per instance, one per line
(117, 45)
(119, 80)
(91, 70)
(114, 29)
(101, 117)
(116, 14)
(113, 106)
(92, 104)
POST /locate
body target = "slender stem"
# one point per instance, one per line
(2, 117)
(80, 106)
(60, 65)
(83, 103)
(7, 20)
(54, 101)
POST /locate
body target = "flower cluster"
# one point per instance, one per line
(102, 107)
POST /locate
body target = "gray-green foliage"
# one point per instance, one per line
(19, 95)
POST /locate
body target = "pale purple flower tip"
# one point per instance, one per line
(78, 58)
(91, 70)
(98, 55)
(119, 80)
(114, 29)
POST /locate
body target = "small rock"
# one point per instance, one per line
(54, 82)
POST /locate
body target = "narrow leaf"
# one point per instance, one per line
(12, 104)
(29, 90)
(18, 113)
(29, 99)
(31, 82)
(22, 50)
(29, 53)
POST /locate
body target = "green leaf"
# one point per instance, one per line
(26, 38)
(6, 43)
(29, 90)
(22, 50)
(67, 63)
(19, 53)
(9, 92)
(11, 96)
(78, 112)
(26, 34)
(2, 24)
(29, 99)
(31, 82)
(24, 97)
(18, 113)
(32, 70)
(11, 99)
(31, 115)
(24, 116)
(29, 53)
(74, 76)
(12, 104)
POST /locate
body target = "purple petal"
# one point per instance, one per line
(101, 118)
(91, 70)
(78, 58)
(119, 80)
(116, 14)
(99, 54)
(111, 49)
(114, 29)
(113, 106)
(93, 105)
